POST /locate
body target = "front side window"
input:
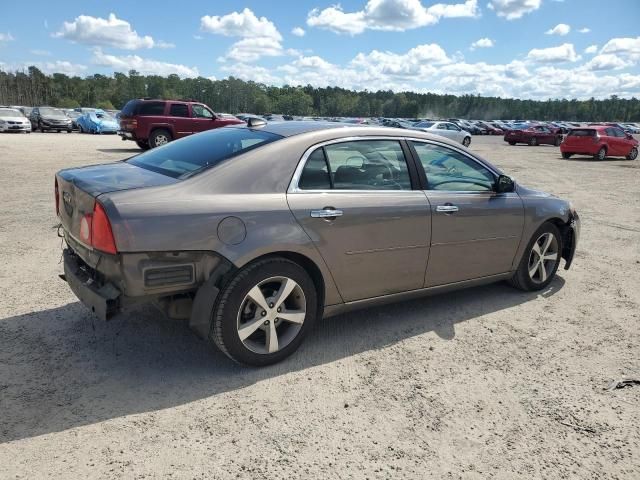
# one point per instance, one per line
(357, 165)
(447, 169)
(200, 112)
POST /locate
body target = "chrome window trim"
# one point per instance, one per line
(293, 184)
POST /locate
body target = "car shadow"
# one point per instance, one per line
(120, 150)
(589, 158)
(61, 368)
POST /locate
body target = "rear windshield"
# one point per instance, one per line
(582, 132)
(190, 155)
(424, 124)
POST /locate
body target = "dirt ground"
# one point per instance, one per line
(483, 383)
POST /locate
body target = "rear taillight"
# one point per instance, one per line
(101, 233)
(57, 198)
(95, 230)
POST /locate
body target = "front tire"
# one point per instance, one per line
(633, 154)
(540, 261)
(466, 142)
(264, 312)
(558, 141)
(159, 137)
(533, 141)
(512, 143)
(566, 155)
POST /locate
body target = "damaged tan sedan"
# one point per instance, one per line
(253, 233)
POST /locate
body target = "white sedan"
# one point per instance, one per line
(12, 120)
(446, 129)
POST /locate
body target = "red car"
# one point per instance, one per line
(601, 141)
(151, 123)
(534, 135)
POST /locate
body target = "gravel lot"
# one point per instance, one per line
(484, 383)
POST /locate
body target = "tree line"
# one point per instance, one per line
(32, 88)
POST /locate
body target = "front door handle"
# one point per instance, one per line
(326, 212)
(447, 208)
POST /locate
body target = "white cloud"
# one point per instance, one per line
(110, 32)
(513, 9)
(298, 31)
(56, 66)
(625, 46)
(591, 49)
(584, 30)
(259, 37)
(6, 38)
(562, 53)
(240, 24)
(146, 66)
(606, 61)
(560, 29)
(390, 15)
(482, 43)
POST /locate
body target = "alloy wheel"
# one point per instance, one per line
(543, 257)
(161, 139)
(271, 315)
(633, 154)
(602, 153)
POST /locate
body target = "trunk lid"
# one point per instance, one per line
(78, 188)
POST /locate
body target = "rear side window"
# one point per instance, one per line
(179, 110)
(315, 175)
(190, 155)
(151, 108)
(357, 165)
(582, 132)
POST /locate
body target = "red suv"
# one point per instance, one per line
(151, 123)
(600, 141)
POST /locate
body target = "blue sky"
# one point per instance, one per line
(509, 48)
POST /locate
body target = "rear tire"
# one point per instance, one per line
(558, 141)
(512, 143)
(159, 137)
(633, 154)
(236, 313)
(602, 154)
(142, 145)
(466, 142)
(533, 141)
(537, 268)
(566, 155)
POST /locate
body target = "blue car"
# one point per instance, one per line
(97, 121)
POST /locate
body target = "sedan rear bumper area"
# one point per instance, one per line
(101, 299)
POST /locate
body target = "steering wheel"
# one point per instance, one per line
(459, 181)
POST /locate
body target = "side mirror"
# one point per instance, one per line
(505, 184)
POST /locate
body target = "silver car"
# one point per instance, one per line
(253, 233)
(446, 129)
(12, 120)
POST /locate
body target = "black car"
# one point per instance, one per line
(49, 118)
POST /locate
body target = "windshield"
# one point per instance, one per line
(185, 157)
(10, 113)
(51, 112)
(424, 124)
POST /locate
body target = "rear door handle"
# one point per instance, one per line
(327, 212)
(447, 208)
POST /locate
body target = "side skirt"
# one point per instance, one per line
(332, 310)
